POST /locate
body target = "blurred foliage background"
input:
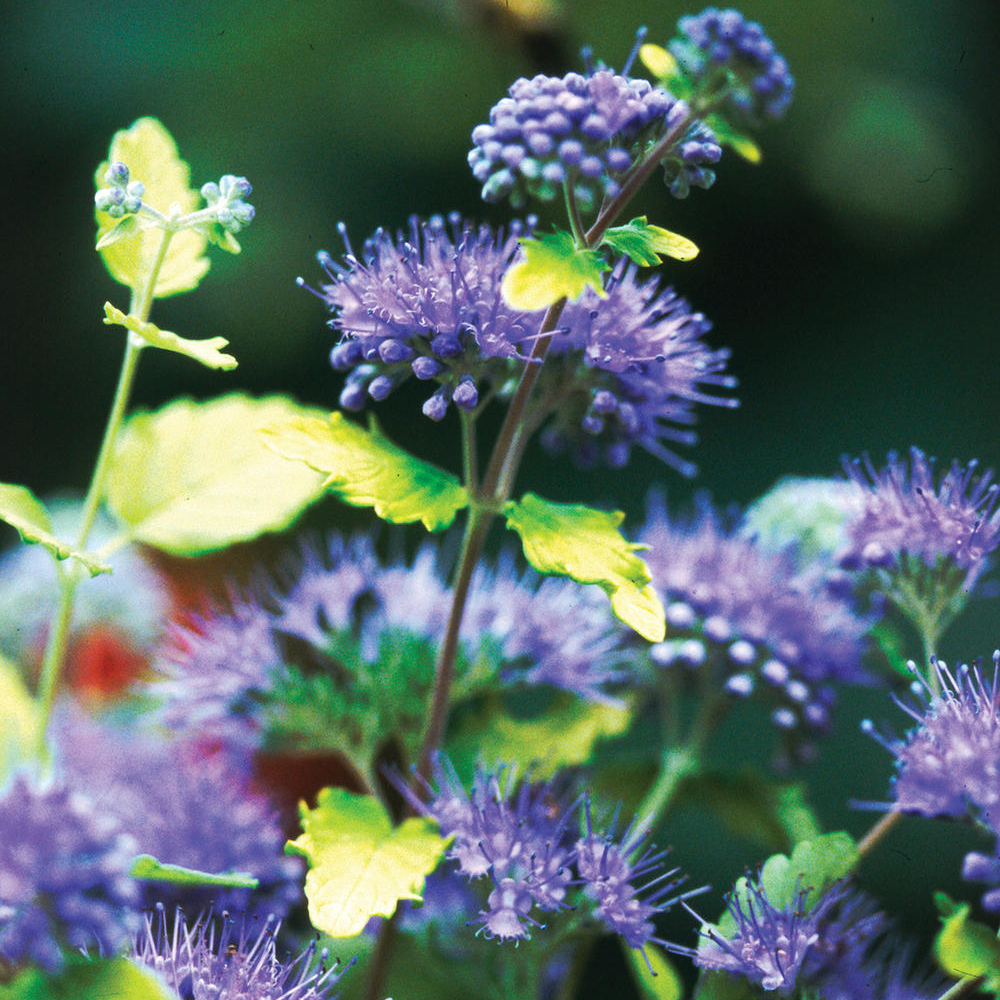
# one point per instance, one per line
(854, 273)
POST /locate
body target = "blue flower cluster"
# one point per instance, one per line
(726, 55)
(519, 835)
(64, 875)
(425, 304)
(583, 134)
(627, 370)
(121, 197)
(205, 961)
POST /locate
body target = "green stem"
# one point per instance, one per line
(58, 638)
(677, 763)
(877, 833)
(963, 988)
(573, 213)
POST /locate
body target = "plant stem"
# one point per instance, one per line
(676, 765)
(58, 638)
(878, 833)
(379, 964)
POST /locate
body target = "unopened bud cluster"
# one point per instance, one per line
(225, 199)
(121, 197)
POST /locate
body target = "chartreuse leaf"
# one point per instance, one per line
(94, 979)
(644, 243)
(552, 267)
(360, 865)
(22, 510)
(724, 986)
(814, 866)
(739, 143)
(19, 720)
(654, 976)
(195, 477)
(148, 869)
(564, 736)
(585, 544)
(207, 352)
(658, 61)
(965, 948)
(150, 153)
(365, 469)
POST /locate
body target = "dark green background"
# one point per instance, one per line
(853, 274)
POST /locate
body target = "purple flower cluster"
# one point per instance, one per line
(425, 304)
(751, 616)
(627, 369)
(221, 673)
(64, 879)
(184, 806)
(949, 764)
(906, 513)
(206, 962)
(584, 133)
(519, 836)
(724, 54)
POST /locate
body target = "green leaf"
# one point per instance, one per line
(552, 267)
(150, 153)
(360, 865)
(95, 979)
(656, 980)
(644, 243)
(814, 866)
(19, 721)
(195, 477)
(776, 816)
(148, 869)
(739, 143)
(366, 469)
(563, 736)
(123, 228)
(21, 509)
(964, 947)
(207, 352)
(658, 61)
(585, 544)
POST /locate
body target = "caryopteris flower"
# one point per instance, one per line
(765, 943)
(628, 370)
(206, 961)
(226, 204)
(183, 806)
(425, 304)
(730, 58)
(584, 133)
(121, 197)
(906, 513)
(950, 762)
(64, 881)
(753, 619)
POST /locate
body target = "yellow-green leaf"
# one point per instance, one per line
(21, 509)
(564, 736)
(644, 243)
(19, 720)
(658, 61)
(654, 976)
(585, 544)
(366, 469)
(146, 868)
(207, 352)
(739, 143)
(360, 865)
(150, 153)
(966, 948)
(89, 979)
(195, 477)
(552, 267)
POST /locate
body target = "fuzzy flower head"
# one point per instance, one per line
(752, 618)
(628, 370)
(182, 805)
(950, 762)
(761, 941)
(584, 134)
(234, 961)
(64, 881)
(907, 513)
(518, 836)
(425, 304)
(732, 64)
